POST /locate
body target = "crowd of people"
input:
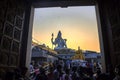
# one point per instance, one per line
(63, 71)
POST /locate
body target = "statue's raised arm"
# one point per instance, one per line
(52, 39)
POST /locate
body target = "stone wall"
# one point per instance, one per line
(12, 13)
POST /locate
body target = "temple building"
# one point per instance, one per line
(92, 56)
(41, 54)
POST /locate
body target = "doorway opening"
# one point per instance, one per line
(78, 26)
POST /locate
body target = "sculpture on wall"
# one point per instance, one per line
(59, 42)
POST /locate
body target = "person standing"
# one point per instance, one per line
(117, 72)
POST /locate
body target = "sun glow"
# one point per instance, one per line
(77, 24)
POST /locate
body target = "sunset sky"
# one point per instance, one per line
(77, 24)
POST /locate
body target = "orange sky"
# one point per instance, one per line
(77, 24)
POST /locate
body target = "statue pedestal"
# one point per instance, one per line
(64, 50)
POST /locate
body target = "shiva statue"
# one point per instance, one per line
(59, 42)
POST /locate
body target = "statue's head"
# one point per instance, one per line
(59, 34)
(78, 47)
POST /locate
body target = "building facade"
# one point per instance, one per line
(41, 54)
(92, 56)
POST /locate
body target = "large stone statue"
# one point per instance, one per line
(59, 42)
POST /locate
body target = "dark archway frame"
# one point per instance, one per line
(102, 35)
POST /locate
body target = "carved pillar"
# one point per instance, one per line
(27, 36)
